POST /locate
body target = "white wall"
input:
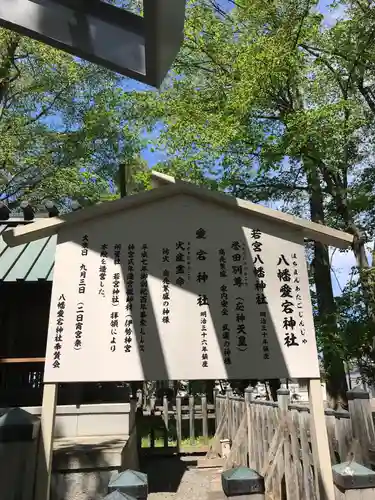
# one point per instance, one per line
(115, 419)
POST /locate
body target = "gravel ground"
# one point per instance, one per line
(176, 478)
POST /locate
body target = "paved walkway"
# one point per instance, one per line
(176, 478)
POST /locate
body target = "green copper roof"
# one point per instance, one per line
(129, 478)
(240, 473)
(30, 262)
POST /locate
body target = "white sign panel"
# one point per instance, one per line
(180, 289)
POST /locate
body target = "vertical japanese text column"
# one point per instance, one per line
(202, 300)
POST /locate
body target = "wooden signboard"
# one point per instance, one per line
(180, 289)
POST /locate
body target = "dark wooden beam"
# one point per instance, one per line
(10, 361)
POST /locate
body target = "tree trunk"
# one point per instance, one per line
(7, 57)
(366, 276)
(338, 190)
(333, 364)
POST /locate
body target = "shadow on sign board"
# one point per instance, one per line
(162, 220)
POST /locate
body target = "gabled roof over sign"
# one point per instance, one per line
(159, 180)
(169, 188)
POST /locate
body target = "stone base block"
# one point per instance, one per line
(96, 452)
(80, 485)
(83, 467)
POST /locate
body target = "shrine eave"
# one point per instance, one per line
(31, 262)
(140, 47)
(167, 187)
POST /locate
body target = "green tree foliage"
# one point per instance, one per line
(267, 104)
(64, 124)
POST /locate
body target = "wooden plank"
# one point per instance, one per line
(264, 437)
(254, 437)
(307, 480)
(234, 427)
(271, 429)
(277, 438)
(237, 422)
(215, 447)
(165, 419)
(191, 420)
(21, 360)
(330, 418)
(294, 460)
(197, 407)
(344, 435)
(244, 443)
(277, 479)
(274, 456)
(232, 459)
(258, 430)
(228, 393)
(184, 416)
(45, 445)
(248, 399)
(319, 441)
(178, 421)
(283, 402)
(204, 419)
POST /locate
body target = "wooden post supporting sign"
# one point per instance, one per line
(45, 448)
(319, 440)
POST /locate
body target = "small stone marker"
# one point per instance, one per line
(117, 495)
(133, 483)
(242, 481)
(18, 425)
(353, 476)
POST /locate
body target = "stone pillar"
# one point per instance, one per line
(228, 394)
(130, 482)
(362, 423)
(353, 481)
(249, 394)
(19, 432)
(249, 398)
(242, 483)
(283, 397)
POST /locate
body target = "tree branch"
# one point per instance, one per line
(45, 110)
